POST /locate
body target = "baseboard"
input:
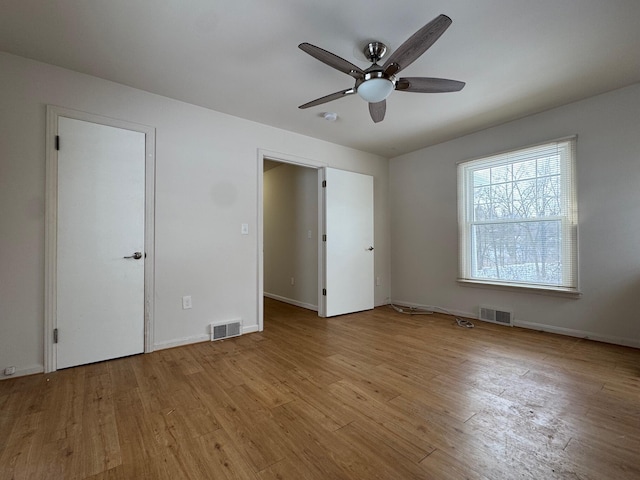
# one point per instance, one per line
(570, 332)
(250, 329)
(290, 301)
(181, 341)
(541, 327)
(196, 339)
(21, 372)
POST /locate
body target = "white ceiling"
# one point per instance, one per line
(240, 57)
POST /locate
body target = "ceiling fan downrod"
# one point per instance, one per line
(374, 51)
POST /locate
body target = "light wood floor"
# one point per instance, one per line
(375, 395)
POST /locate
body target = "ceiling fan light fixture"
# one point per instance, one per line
(375, 90)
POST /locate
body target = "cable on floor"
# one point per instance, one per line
(429, 310)
(411, 310)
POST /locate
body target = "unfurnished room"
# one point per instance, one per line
(320, 240)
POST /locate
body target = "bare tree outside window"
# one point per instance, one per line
(518, 217)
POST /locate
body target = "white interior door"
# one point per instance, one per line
(348, 255)
(100, 221)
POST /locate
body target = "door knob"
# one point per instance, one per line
(136, 256)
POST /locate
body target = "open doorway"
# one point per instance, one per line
(290, 233)
(343, 236)
(268, 161)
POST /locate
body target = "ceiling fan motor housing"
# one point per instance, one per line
(375, 85)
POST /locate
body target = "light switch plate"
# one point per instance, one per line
(186, 302)
(244, 229)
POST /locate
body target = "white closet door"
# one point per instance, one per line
(100, 221)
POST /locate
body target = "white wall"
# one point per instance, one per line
(206, 186)
(290, 195)
(424, 220)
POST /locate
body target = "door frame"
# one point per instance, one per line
(51, 224)
(302, 162)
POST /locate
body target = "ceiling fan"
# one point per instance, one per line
(377, 82)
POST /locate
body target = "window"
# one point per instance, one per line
(518, 218)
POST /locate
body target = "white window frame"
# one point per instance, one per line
(569, 219)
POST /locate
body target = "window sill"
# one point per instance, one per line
(538, 290)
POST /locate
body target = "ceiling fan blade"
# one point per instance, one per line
(377, 110)
(416, 45)
(428, 85)
(332, 60)
(328, 98)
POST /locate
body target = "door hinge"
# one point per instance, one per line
(57, 142)
(324, 292)
(324, 238)
(324, 184)
(55, 335)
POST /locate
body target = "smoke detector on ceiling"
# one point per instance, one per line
(330, 116)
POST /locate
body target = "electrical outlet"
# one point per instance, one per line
(186, 302)
(293, 281)
(244, 229)
(378, 281)
(9, 371)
